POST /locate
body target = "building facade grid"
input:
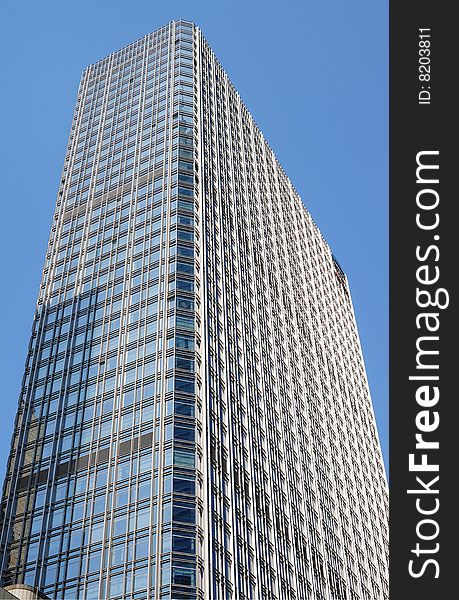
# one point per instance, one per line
(195, 419)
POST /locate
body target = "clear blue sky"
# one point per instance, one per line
(313, 73)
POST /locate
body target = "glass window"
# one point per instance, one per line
(116, 584)
(183, 322)
(183, 543)
(184, 433)
(140, 579)
(184, 575)
(185, 409)
(184, 485)
(184, 458)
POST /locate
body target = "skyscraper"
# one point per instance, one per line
(194, 420)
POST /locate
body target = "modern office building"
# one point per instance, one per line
(195, 420)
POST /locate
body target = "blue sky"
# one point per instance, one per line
(314, 75)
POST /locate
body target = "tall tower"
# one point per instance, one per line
(194, 420)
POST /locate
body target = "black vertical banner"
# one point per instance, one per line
(424, 332)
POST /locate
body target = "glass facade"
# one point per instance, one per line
(195, 420)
